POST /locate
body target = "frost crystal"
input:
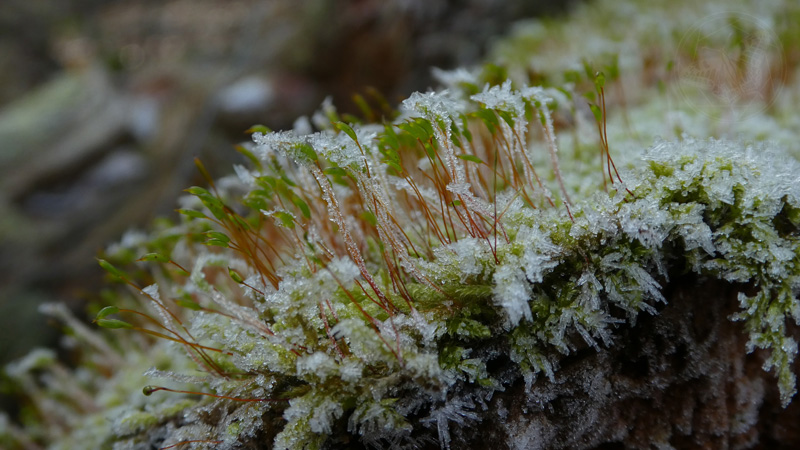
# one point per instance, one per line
(459, 412)
(502, 97)
(513, 292)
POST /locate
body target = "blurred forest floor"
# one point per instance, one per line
(104, 105)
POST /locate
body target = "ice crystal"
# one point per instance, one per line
(512, 292)
(503, 98)
(439, 105)
(459, 412)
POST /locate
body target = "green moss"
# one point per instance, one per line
(135, 422)
(363, 278)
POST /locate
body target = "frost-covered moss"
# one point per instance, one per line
(356, 282)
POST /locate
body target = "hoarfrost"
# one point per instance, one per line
(502, 97)
(246, 177)
(441, 105)
(323, 416)
(317, 364)
(180, 377)
(539, 255)
(458, 411)
(512, 292)
(469, 256)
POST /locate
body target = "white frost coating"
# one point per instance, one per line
(472, 203)
(246, 316)
(645, 221)
(427, 193)
(244, 175)
(619, 277)
(541, 102)
(645, 281)
(60, 311)
(515, 275)
(36, 359)
(426, 366)
(694, 231)
(254, 286)
(433, 105)
(340, 148)
(374, 192)
(512, 292)
(152, 292)
(180, 377)
(270, 143)
(323, 416)
(317, 364)
(467, 256)
(458, 411)
(276, 214)
(351, 370)
(336, 216)
(502, 97)
(440, 108)
(363, 341)
(539, 255)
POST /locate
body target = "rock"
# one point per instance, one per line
(678, 379)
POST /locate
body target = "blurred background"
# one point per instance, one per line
(104, 105)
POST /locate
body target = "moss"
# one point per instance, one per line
(360, 282)
(135, 422)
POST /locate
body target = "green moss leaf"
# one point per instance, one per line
(108, 267)
(154, 257)
(341, 126)
(471, 158)
(108, 310)
(113, 323)
(192, 214)
(258, 129)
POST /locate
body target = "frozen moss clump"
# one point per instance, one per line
(381, 283)
(357, 281)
